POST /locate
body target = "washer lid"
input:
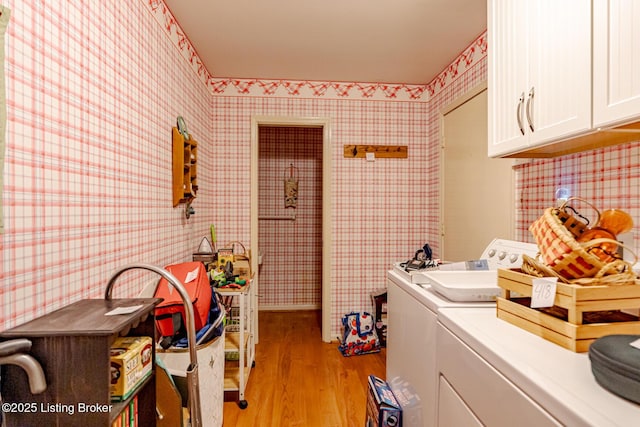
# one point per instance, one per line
(474, 285)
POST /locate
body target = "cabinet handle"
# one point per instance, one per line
(519, 113)
(529, 100)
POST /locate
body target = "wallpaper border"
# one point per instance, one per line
(229, 86)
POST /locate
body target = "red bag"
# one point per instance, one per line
(170, 314)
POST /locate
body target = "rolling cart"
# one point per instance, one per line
(239, 339)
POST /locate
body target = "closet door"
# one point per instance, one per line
(477, 193)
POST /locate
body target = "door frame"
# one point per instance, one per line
(325, 124)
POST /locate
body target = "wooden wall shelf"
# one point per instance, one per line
(185, 168)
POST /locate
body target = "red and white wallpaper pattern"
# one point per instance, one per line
(93, 89)
(607, 178)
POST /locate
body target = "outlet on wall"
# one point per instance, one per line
(627, 240)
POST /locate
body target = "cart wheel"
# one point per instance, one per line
(243, 404)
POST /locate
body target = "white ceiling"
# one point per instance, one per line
(376, 41)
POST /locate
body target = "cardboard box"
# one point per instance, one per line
(242, 267)
(383, 409)
(131, 363)
(224, 255)
(409, 402)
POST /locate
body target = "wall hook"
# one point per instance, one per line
(188, 209)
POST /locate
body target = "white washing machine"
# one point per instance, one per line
(412, 316)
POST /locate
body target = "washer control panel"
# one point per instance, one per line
(501, 253)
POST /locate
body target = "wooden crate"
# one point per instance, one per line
(580, 314)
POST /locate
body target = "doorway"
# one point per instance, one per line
(323, 125)
(477, 191)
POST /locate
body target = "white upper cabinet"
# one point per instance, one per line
(616, 62)
(539, 73)
(508, 76)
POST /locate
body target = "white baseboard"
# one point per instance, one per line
(288, 307)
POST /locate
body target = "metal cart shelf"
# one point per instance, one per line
(239, 342)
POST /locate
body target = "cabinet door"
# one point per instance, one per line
(494, 399)
(507, 75)
(539, 73)
(559, 88)
(452, 410)
(616, 61)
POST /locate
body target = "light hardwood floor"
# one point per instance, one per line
(301, 381)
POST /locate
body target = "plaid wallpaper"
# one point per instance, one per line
(379, 209)
(93, 89)
(607, 178)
